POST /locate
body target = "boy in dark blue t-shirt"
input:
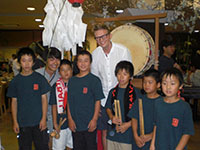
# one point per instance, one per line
(58, 101)
(151, 83)
(84, 95)
(172, 116)
(120, 136)
(29, 103)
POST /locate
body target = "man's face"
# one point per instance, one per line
(53, 64)
(102, 37)
(169, 50)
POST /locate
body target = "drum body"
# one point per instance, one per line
(140, 44)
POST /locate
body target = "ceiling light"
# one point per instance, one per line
(119, 11)
(30, 8)
(196, 31)
(41, 26)
(38, 20)
(166, 23)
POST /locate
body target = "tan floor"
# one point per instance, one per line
(9, 140)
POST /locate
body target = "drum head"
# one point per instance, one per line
(140, 44)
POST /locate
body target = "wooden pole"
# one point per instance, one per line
(141, 117)
(126, 18)
(156, 42)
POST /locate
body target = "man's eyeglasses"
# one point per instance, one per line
(103, 37)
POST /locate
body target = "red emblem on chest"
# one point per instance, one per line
(175, 122)
(35, 87)
(85, 90)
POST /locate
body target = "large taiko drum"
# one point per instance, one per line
(140, 44)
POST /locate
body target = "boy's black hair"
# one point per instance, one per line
(25, 51)
(84, 52)
(152, 73)
(166, 43)
(54, 53)
(173, 72)
(128, 66)
(65, 62)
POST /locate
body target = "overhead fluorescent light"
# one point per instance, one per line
(196, 31)
(166, 23)
(30, 8)
(38, 20)
(41, 26)
(119, 11)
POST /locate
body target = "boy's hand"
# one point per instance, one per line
(16, 127)
(123, 127)
(152, 147)
(146, 137)
(139, 141)
(92, 125)
(116, 120)
(72, 125)
(43, 124)
(56, 128)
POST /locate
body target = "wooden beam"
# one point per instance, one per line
(156, 43)
(140, 17)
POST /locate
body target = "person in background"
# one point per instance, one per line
(28, 91)
(165, 60)
(15, 65)
(194, 74)
(58, 102)
(173, 122)
(126, 93)
(105, 58)
(50, 72)
(151, 83)
(84, 95)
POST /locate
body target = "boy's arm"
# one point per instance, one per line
(71, 122)
(54, 115)
(43, 124)
(152, 146)
(93, 123)
(183, 141)
(14, 115)
(139, 141)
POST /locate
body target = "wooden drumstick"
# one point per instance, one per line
(119, 110)
(115, 105)
(54, 133)
(141, 117)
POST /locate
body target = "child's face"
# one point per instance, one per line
(123, 78)
(26, 63)
(83, 63)
(65, 72)
(53, 64)
(170, 86)
(150, 85)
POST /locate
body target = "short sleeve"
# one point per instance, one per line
(52, 100)
(45, 87)
(108, 102)
(188, 126)
(98, 91)
(12, 90)
(133, 113)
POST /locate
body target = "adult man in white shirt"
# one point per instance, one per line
(105, 57)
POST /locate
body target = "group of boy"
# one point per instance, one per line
(79, 98)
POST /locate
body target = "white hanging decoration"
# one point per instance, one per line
(63, 26)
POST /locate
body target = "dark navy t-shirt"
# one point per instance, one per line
(83, 92)
(28, 91)
(127, 136)
(148, 113)
(172, 121)
(53, 101)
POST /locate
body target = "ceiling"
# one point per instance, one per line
(15, 16)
